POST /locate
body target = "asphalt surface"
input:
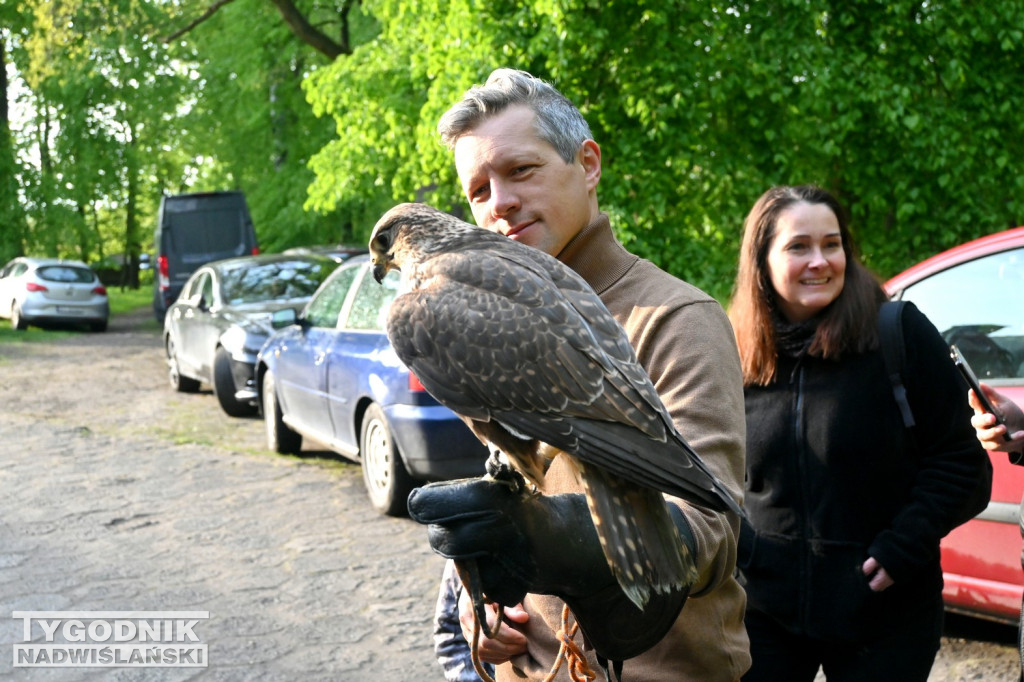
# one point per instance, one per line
(117, 494)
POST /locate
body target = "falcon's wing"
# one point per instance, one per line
(499, 334)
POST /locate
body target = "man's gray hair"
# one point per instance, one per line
(558, 122)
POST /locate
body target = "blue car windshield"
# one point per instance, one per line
(254, 282)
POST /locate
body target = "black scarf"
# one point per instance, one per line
(792, 339)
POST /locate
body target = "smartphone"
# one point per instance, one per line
(972, 380)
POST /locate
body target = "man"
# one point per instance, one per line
(530, 168)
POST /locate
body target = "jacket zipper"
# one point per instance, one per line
(797, 379)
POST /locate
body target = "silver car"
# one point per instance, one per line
(42, 291)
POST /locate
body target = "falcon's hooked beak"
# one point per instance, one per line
(380, 270)
(379, 256)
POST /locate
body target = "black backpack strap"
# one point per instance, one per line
(890, 337)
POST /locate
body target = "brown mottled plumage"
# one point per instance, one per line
(520, 346)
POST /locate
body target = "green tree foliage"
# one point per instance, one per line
(249, 126)
(907, 110)
(323, 112)
(104, 97)
(119, 115)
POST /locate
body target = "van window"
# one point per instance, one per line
(207, 232)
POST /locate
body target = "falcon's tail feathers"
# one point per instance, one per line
(638, 536)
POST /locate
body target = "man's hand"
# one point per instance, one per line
(990, 434)
(508, 642)
(518, 543)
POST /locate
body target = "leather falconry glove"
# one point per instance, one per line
(544, 544)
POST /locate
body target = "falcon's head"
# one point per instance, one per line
(382, 242)
(409, 233)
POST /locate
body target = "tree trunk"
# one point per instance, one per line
(130, 271)
(11, 215)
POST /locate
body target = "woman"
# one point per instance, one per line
(846, 506)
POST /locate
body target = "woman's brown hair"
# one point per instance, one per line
(848, 324)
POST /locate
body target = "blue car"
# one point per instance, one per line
(330, 375)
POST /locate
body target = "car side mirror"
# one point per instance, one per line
(283, 318)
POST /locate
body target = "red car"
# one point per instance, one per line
(974, 294)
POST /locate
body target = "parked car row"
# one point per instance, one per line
(326, 374)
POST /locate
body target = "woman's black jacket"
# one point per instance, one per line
(834, 477)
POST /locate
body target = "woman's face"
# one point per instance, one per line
(806, 261)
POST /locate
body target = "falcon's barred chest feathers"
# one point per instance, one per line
(520, 347)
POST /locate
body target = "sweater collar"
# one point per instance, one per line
(597, 256)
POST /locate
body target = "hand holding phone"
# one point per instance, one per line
(972, 380)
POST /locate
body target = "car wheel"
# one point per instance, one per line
(180, 383)
(387, 482)
(224, 387)
(280, 438)
(17, 321)
(98, 326)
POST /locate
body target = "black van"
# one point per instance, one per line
(195, 229)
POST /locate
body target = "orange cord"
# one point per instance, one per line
(474, 650)
(570, 653)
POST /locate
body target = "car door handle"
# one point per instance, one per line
(320, 358)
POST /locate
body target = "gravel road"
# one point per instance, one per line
(120, 495)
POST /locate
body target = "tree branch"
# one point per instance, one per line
(308, 33)
(210, 11)
(296, 21)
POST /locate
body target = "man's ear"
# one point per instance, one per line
(590, 158)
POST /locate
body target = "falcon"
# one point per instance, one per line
(522, 349)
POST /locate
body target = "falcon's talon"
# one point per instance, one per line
(507, 475)
(500, 471)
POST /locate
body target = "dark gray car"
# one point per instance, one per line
(216, 327)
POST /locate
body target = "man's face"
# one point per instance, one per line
(518, 185)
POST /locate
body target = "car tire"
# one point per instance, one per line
(387, 482)
(224, 386)
(17, 321)
(179, 382)
(98, 327)
(280, 437)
